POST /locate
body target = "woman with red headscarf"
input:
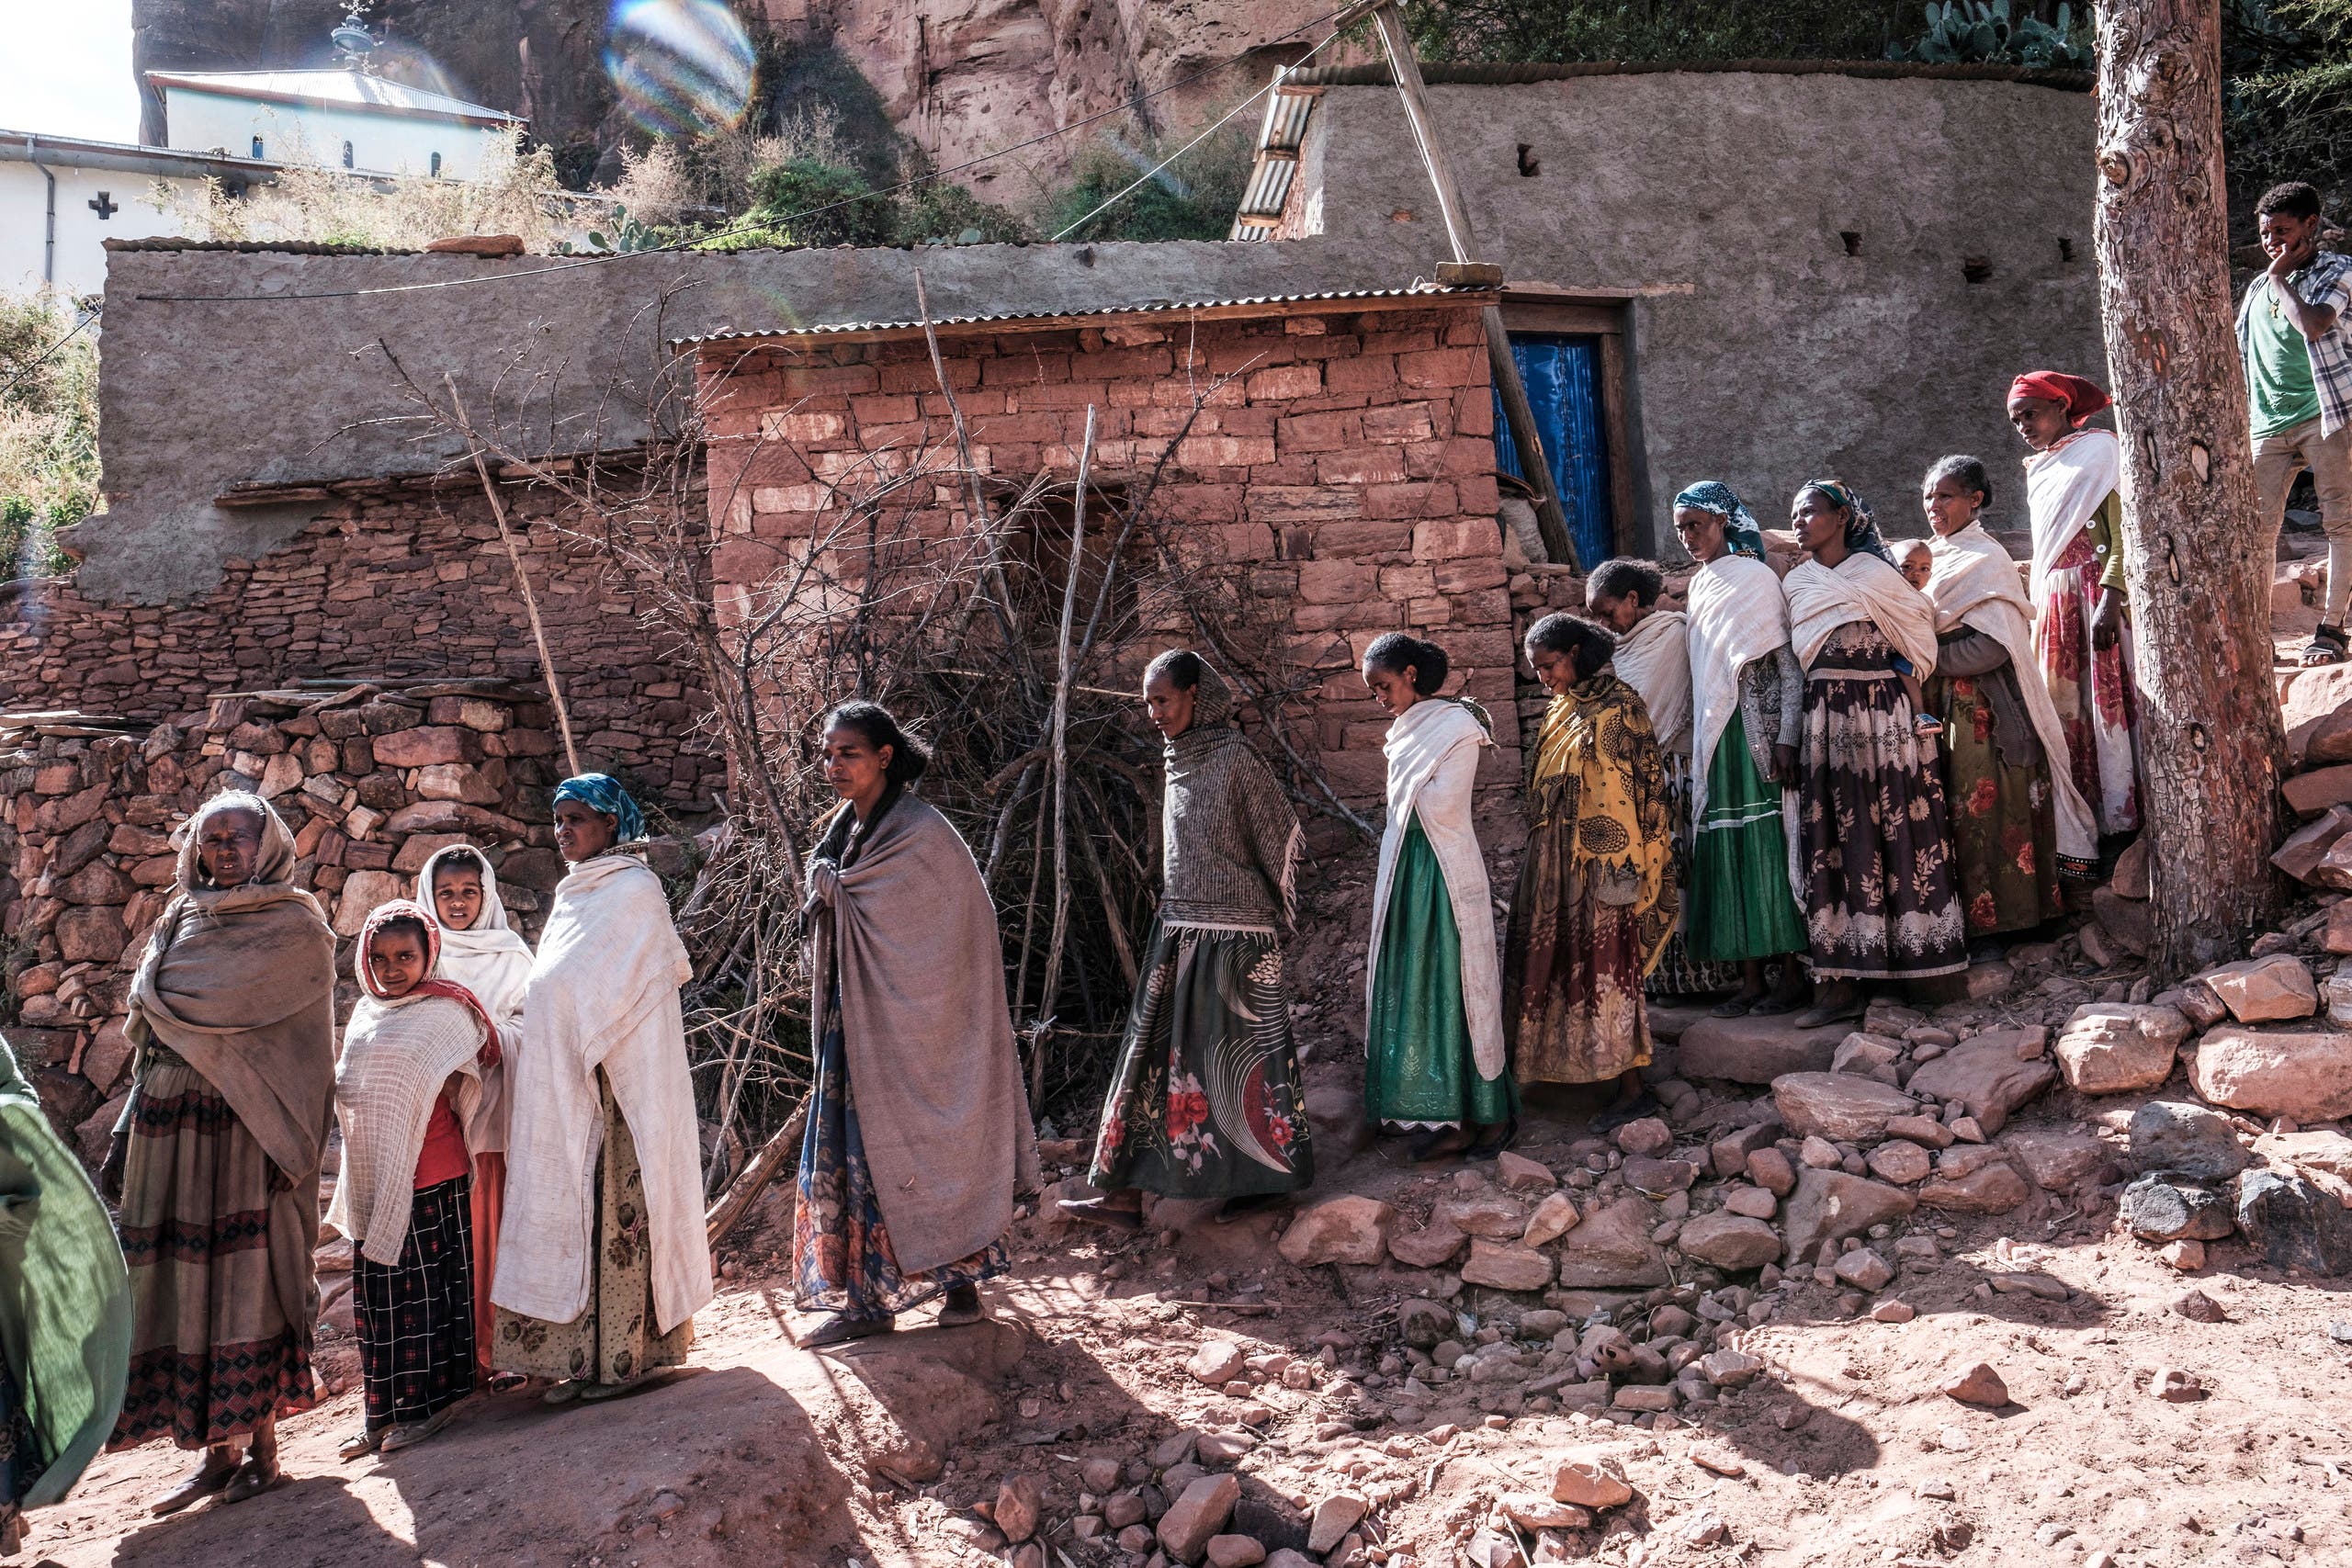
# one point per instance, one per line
(2081, 631)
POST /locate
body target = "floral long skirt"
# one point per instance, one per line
(1205, 1100)
(1681, 971)
(2004, 819)
(218, 1245)
(1871, 854)
(1419, 1070)
(1572, 983)
(416, 1316)
(2098, 709)
(616, 1337)
(841, 1259)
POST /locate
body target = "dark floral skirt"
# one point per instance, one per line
(841, 1259)
(1205, 1100)
(1873, 850)
(2004, 819)
(416, 1316)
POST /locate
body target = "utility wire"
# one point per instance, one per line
(1154, 171)
(45, 353)
(750, 225)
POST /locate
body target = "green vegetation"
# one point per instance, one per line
(1969, 31)
(48, 434)
(2288, 101)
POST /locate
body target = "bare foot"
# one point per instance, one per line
(253, 1478)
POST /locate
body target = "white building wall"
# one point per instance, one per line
(80, 264)
(383, 142)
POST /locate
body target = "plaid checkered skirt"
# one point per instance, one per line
(416, 1317)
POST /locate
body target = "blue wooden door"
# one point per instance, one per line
(1563, 378)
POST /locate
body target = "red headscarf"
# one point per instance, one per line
(2081, 399)
(384, 915)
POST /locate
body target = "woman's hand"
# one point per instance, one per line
(1784, 764)
(2107, 621)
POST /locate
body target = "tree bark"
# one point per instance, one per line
(2211, 748)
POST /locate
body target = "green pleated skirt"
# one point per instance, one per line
(1738, 905)
(1418, 1067)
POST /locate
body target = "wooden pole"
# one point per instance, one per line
(1054, 942)
(1551, 518)
(521, 578)
(2212, 751)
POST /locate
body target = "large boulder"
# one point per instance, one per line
(2293, 1224)
(1730, 1241)
(2157, 1209)
(2265, 990)
(2308, 845)
(1839, 1106)
(2302, 1074)
(1351, 1229)
(1756, 1050)
(2175, 1138)
(1829, 1205)
(2115, 1047)
(1610, 1249)
(1991, 1074)
(2315, 706)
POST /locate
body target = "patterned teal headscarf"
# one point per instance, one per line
(602, 791)
(1740, 530)
(1861, 528)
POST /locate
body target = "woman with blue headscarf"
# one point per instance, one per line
(1872, 866)
(1747, 700)
(602, 1261)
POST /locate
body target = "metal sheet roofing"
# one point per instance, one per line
(1269, 303)
(340, 89)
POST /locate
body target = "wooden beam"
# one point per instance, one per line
(1551, 518)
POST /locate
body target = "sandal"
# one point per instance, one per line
(1436, 1144)
(1735, 1007)
(840, 1328)
(254, 1477)
(408, 1435)
(204, 1484)
(1103, 1212)
(1771, 1007)
(1505, 1134)
(2328, 645)
(565, 1392)
(362, 1443)
(961, 1308)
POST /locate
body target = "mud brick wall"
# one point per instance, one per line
(1347, 469)
(399, 579)
(372, 780)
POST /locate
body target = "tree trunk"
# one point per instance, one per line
(2199, 564)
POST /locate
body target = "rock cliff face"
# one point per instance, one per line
(957, 78)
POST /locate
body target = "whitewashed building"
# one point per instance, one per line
(62, 198)
(338, 119)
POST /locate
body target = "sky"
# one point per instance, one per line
(65, 68)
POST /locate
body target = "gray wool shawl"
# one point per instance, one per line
(1229, 840)
(909, 930)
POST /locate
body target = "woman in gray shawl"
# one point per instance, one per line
(1205, 1100)
(918, 1130)
(217, 1152)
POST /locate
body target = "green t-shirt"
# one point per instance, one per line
(2281, 376)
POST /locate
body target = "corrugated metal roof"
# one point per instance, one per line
(343, 89)
(1418, 291)
(1288, 108)
(255, 247)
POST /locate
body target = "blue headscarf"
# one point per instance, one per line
(1740, 530)
(1861, 528)
(602, 791)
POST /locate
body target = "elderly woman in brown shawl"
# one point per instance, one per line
(1205, 1100)
(218, 1154)
(1596, 902)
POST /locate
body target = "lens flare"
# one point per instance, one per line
(679, 67)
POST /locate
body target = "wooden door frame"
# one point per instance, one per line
(1538, 310)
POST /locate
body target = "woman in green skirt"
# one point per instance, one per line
(1747, 696)
(1434, 1057)
(1205, 1100)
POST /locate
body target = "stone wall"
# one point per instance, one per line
(389, 579)
(1347, 468)
(372, 779)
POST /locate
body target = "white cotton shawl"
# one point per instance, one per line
(489, 958)
(1862, 587)
(604, 994)
(1974, 583)
(1432, 752)
(2064, 488)
(397, 1053)
(1654, 659)
(1739, 614)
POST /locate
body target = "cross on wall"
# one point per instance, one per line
(105, 206)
